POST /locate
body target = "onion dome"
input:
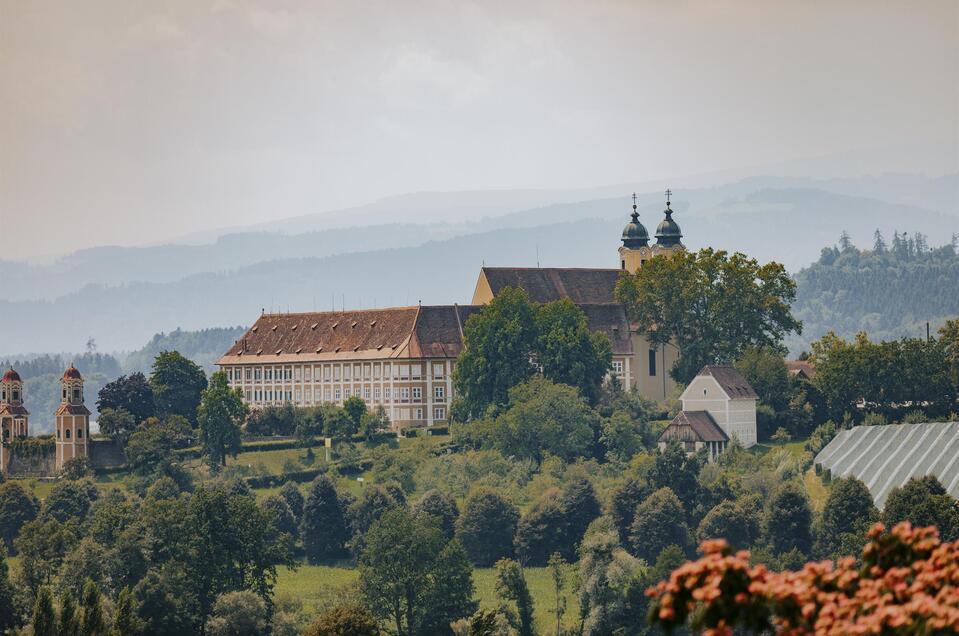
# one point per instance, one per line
(668, 233)
(11, 376)
(72, 374)
(635, 234)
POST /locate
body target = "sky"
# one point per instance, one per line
(128, 122)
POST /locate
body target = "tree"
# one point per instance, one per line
(220, 414)
(351, 619)
(442, 507)
(280, 514)
(546, 418)
(949, 336)
(486, 526)
(542, 531)
(678, 471)
(229, 546)
(557, 571)
(92, 620)
(41, 545)
(623, 502)
(581, 508)
(117, 423)
(294, 499)
(660, 521)
(17, 507)
(9, 612)
(846, 517)
(374, 423)
(129, 393)
(70, 500)
(324, 528)
(567, 352)
(497, 352)
(709, 304)
(150, 448)
(69, 615)
(167, 605)
(765, 370)
(788, 519)
(449, 596)
(739, 524)
(923, 502)
(240, 613)
(903, 587)
(125, 619)
(511, 587)
(355, 409)
(609, 581)
(395, 567)
(375, 501)
(44, 620)
(177, 384)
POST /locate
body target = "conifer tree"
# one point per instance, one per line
(324, 526)
(69, 616)
(44, 616)
(125, 620)
(92, 621)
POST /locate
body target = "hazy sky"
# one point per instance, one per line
(131, 122)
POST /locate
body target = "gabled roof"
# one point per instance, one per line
(72, 409)
(439, 331)
(693, 426)
(546, 284)
(731, 381)
(611, 320)
(802, 368)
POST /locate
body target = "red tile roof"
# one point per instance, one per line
(693, 426)
(546, 284)
(801, 367)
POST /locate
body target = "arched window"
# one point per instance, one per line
(79, 432)
(67, 432)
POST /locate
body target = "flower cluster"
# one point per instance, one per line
(908, 584)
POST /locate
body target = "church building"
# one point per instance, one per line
(402, 358)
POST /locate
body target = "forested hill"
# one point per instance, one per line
(889, 291)
(203, 346)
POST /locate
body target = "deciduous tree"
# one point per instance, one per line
(177, 384)
(220, 415)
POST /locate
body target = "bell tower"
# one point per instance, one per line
(73, 419)
(635, 250)
(14, 417)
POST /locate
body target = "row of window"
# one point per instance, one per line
(327, 395)
(66, 433)
(345, 371)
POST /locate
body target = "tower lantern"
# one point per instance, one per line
(73, 419)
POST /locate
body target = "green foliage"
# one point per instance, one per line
(890, 293)
(441, 507)
(411, 577)
(884, 374)
(166, 603)
(675, 469)
(711, 305)
(9, 612)
(294, 499)
(623, 501)
(131, 394)
(846, 517)
(351, 619)
(241, 613)
(542, 530)
(70, 500)
(177, 384)
(220, 414)
(17, 507)
(355, 409)
(41, 545)
(486, 526)
(788, 519)
(203, 346)
(44, 622)
(151, 447)
(324, 527)
(273, 420)
(923, 502)
(609, 577)
(567, 352)
(511, 587)
(543, 418)
(660, 521)
(736, 521)
(93, 621)
(125, 619)
(118, 423)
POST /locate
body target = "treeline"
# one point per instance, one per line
(203, 347)
(889, 291)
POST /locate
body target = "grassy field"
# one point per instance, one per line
(318, 585)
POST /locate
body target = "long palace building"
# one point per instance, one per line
(402, 358)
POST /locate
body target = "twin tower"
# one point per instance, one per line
(636, 250)
(72, 418)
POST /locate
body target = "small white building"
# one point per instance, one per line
(718, 406)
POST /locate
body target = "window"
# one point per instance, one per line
(439, 413)
(309, 373)
(386, 393)
(297, 395)
(257, 374)
(376, 394)
(438, 370)
(268, 373)
(229, 374)
(652, 362)
(16, 395)
(248, 374)
(347, 370)
(416, 370)
(366, 393)
(617, 367)
(366, 371)
(76, 394)
(296, 373)
(404, 371)
(336, 372)
(376, 371)
(326, 395)
(68, 433)
(336, 395)
(247, 395)
(79, 432)
(419, 414)
(439, 392)
(326, 372)
(417, 393)
(405, 393)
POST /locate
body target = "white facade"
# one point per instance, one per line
(735, 415)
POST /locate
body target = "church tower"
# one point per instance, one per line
(73, 419)
(636, 250)
(14, 416)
